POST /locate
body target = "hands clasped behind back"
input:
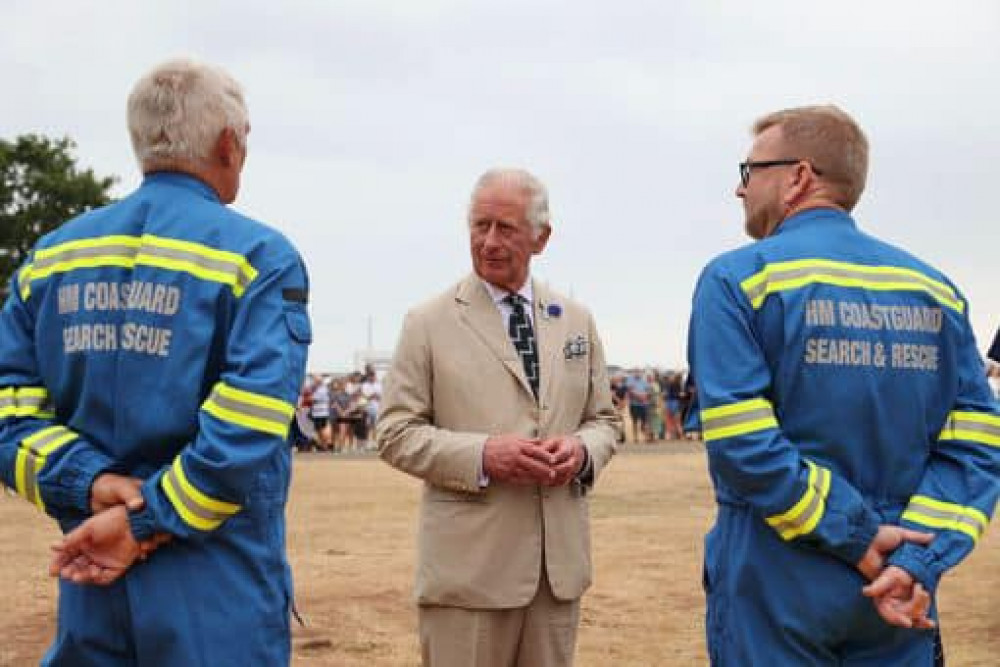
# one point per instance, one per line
(898, 598)
(102, 548)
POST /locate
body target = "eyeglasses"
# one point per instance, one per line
(747, 167)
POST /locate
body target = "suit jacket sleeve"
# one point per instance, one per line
(601, 424)
(405, 433)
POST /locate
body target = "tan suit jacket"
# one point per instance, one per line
(455, 380)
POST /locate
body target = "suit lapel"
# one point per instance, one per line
(477, 310)
(550, 332)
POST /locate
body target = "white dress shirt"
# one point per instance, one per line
(506, 310)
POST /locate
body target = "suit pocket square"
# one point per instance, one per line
(576, 346)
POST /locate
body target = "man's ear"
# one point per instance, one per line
(541, 239)
(799, 180)
(227, 147)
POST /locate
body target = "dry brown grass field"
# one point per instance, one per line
(351, 542)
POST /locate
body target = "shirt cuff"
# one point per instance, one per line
(586, 474)
(482, 477)
(75, 481)
(142, 523)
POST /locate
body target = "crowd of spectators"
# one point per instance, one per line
(656, 405)
(337, 413)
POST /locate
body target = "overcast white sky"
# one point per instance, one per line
(372, 118)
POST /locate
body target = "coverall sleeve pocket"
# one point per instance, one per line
(297, 322)
(299, 337)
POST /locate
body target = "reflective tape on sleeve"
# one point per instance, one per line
(197, 509)
(806, 514)
(31, 457)
(981, 427)
(939, 514)
(253, 411)
(726, 421)
(25, 402)
(24, 282)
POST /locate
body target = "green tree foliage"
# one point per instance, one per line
(40, 189)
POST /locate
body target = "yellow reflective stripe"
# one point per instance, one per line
(85, 253)
(170, 489)
(230, 268)
(21, 474)
(806, 514)
(249, 410)
(782, 276)
(735, 408)
(201, 261)
(31, 457)
(949, 516)
(259, 400)
(980, 427)
(197, 509)
(86, 244)
(726, 421)
(24, 402)
(24, 282)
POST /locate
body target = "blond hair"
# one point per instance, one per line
(831, 141)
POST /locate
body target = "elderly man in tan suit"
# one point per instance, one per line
(498, 399)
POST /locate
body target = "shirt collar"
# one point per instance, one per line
(812, 216)
(498, 294)
(183, 180)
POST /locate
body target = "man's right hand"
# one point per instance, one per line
(886, 540)
(517, 460)
(98, 551)
(110, 489)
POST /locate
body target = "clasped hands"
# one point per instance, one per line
(899, 599)
(102, 548)
(518, 460)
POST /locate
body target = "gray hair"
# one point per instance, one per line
(177, 110)
(538, 197)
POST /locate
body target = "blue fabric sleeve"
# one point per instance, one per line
(246, 417)
(750, 459)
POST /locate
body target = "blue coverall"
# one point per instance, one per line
(840, 388)
(163, 336)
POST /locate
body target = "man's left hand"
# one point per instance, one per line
(568, 457)
(110, 489)
(899, 600)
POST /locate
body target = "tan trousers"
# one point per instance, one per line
(543, 634)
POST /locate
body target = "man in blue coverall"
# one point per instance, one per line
(852, 438)
(151, 354)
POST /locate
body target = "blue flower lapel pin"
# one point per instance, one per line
(550, 310)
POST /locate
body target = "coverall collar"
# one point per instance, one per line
(813, 216)
(182, 180)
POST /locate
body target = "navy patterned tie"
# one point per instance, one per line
(523, 338)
